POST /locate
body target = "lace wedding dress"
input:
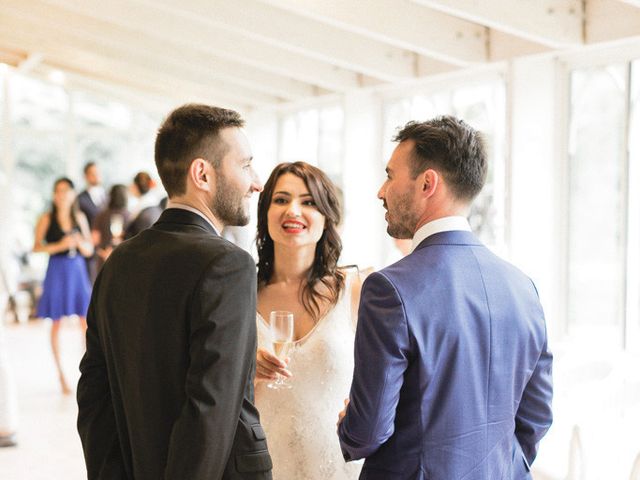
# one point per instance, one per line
(300, 423)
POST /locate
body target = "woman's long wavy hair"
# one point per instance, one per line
(324, 271)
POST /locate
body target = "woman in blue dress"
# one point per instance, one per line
(64, 234)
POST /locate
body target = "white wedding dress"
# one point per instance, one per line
(300, 423)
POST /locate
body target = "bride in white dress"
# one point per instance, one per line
(298, 250)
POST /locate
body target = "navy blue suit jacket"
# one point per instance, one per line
(452, 374)
(86, 205)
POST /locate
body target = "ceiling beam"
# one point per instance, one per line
(503, 46)
(293, 33)
(12, 56)
(92, 64)
(192, 62)
(32, 61)
(633, 3)
(555, 23)
(611, 20)
(198, 34)
(399, 23)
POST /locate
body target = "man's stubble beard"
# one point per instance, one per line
(228, 204)
(402, 223)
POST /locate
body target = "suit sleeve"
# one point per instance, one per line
(222, 349)
(534, 415)
(381, 358)
(96, 418)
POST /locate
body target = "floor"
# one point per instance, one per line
(605, 404)
(48, 443)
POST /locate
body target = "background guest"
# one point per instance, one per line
(147, 209)
(64, 234)
(109, 225)
(91, 201)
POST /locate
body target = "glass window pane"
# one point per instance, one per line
(91, 111)
(299, 139)
(109, 151)
(424, 107)
(395, 114)
(483, 107)
(596, 203)
(330, 142)
(39, 161)
(37, 104)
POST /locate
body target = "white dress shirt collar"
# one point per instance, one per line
(97, 194)
(444, 224)
(182, 206)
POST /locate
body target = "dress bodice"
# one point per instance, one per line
(301, 422)
(55, 233)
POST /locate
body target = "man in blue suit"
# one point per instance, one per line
(452, 376)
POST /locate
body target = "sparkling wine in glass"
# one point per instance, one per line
(281, 325)
(116, 225)
(73, 250)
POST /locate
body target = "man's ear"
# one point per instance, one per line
(201, 175)
(429, 181)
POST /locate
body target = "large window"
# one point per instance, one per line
(603, 217)
(483, 107)
(51, 132)
(316, 137)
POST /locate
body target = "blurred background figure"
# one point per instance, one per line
(110, 224)
(147, 208)
(91, 201)
(64, 234)
(8, 401)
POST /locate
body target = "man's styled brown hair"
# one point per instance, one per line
(450, 146)
(189, 132)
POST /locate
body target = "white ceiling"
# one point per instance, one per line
(256, 53)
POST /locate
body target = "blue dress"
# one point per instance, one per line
(66, 289)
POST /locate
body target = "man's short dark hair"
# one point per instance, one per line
(143, 182)
(451, 147)
(87, 166)
(189, 132)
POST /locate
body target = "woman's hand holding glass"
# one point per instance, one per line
(268, 366)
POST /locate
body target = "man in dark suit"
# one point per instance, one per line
(452, 376)
(166, 390)
(91, 201)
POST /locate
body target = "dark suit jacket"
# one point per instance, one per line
(166, 390)
(452, 377)
(86, 205)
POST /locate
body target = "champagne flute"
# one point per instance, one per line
(116, 226)
(73, 250)
(281, 325)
